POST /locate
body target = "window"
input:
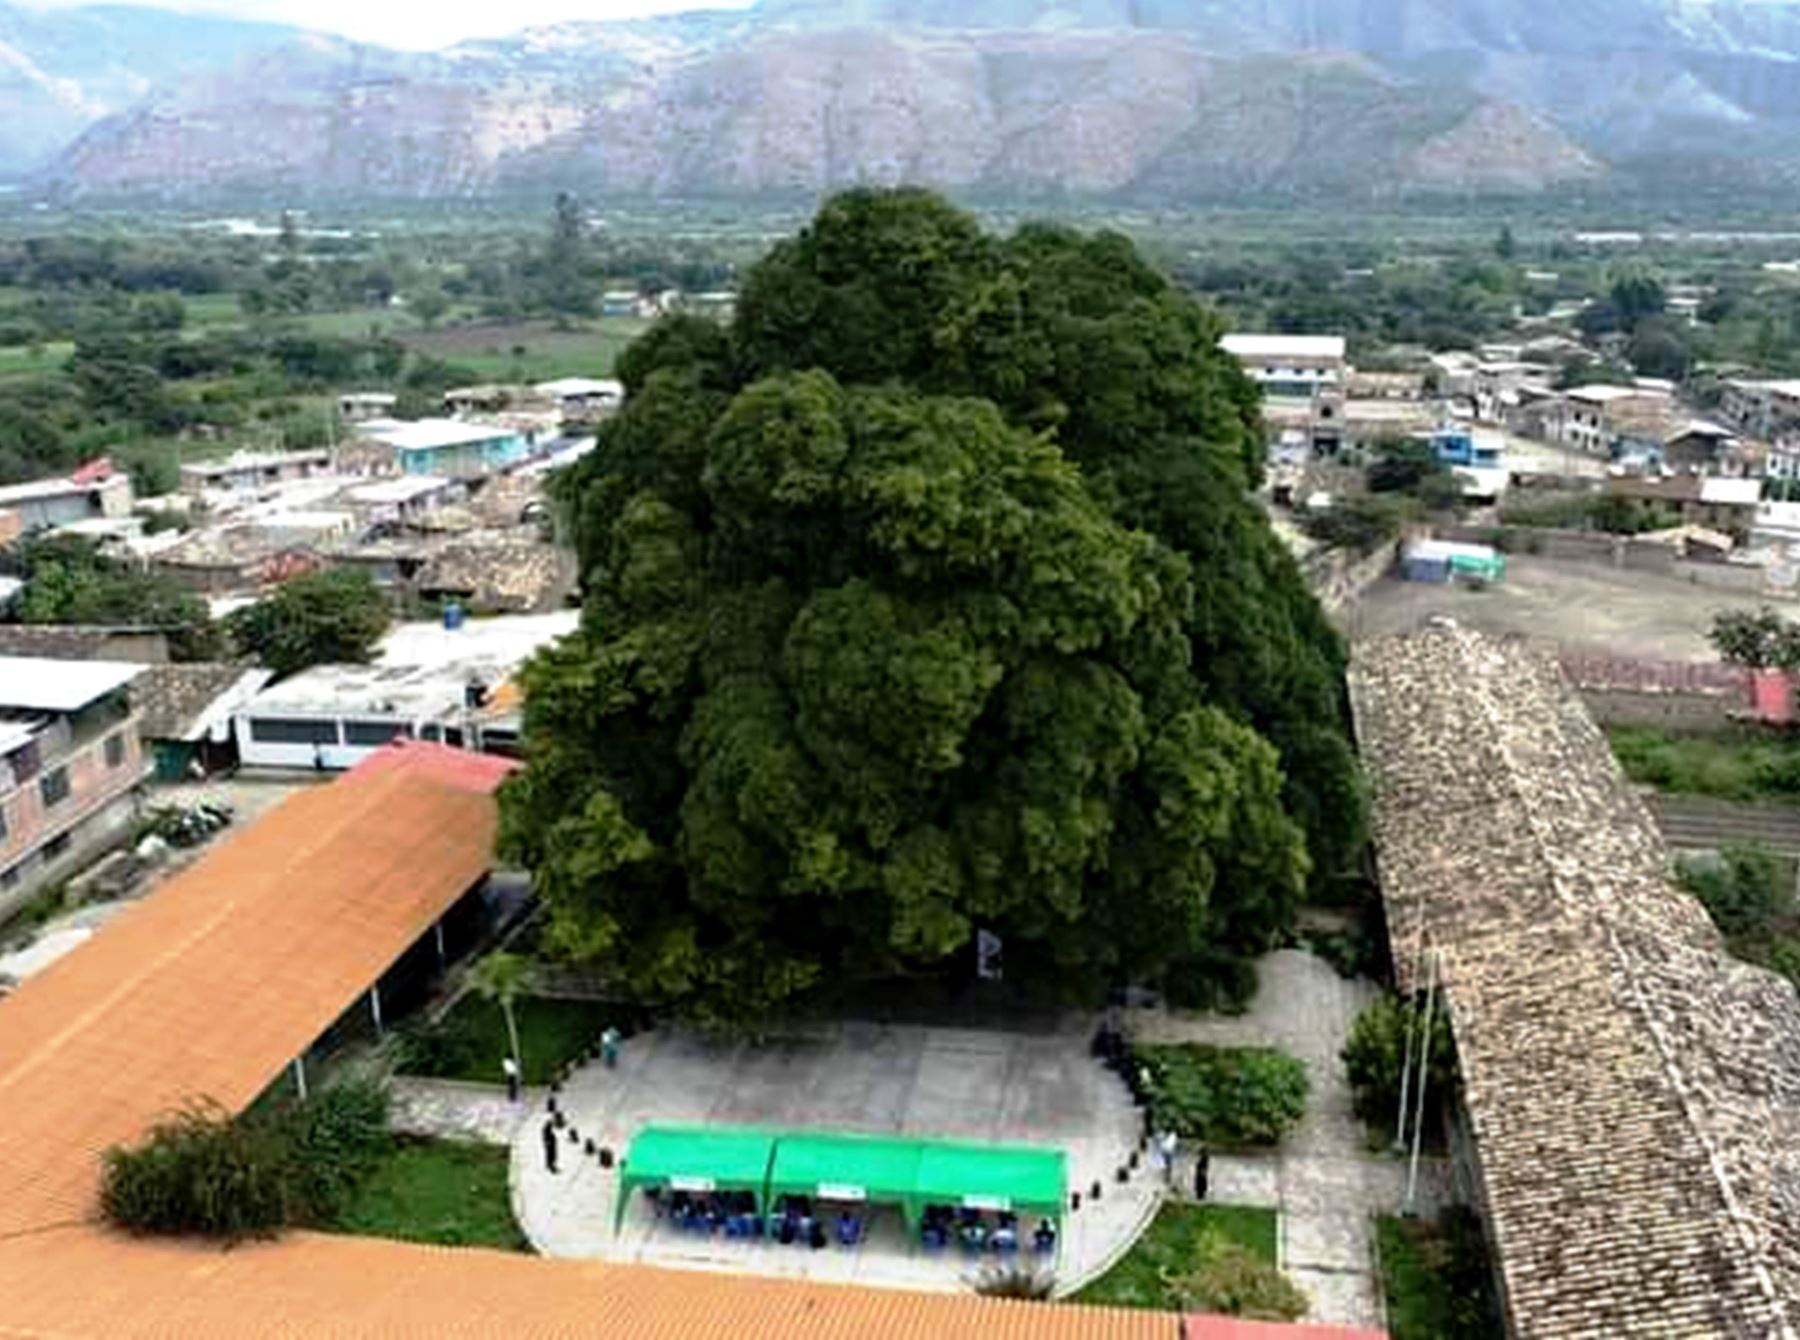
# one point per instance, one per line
(374, 732)
(2, 823)
(55, 847)
(285, 730)
(53, 786)
(431, 731)
(115, 749)
(25, 762)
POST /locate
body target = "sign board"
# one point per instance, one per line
(842, 1191)
(690, 1184)
(996, 1203)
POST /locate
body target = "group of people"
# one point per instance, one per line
(971, 1231)
(732, 1212)
(796, 1222)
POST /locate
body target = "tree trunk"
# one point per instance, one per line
(512, 1032)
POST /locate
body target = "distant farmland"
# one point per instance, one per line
(528, 350)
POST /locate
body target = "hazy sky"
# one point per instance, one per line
(418, 24)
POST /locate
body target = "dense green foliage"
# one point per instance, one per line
(204, 1172)
(1227, 1280)
(1437, 1278)
(470, 1040)
(1727, 766)
(336, 616)
(68, 581)
(1375, 1060)
(1760, 639)
(199, 1172)
(1223, 1096)
(446, 1192)
(928, 597)
(1749, 893)
(1234, 1245)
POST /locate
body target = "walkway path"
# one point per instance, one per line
(455, 1110)
(1325, 1182)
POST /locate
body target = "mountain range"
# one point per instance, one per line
(1153, 101)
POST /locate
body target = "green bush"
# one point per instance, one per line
(1224, 1095)
(1374, 1057)
(1221, 985)
(1230, 1280)
(334, 1141)
(206, 1173)
(200, 1172)
(1742, 890)
(1437, 1278)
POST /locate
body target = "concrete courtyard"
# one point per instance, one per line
(1020, 1088)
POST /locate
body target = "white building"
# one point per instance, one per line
(429, 682)
(1290, 367)
(582, 397)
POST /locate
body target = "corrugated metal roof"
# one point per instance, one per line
(481, 773)
(40, 684)
(87, 1282)
(214, 982)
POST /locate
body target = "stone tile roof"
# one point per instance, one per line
(1633, 1091)
(83, 642)
(171, 697)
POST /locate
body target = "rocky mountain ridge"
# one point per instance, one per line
(1151, 100)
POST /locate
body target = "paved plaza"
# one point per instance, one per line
(930, 1082)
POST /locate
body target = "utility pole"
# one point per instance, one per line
(1412, 1172)
(1412, 1010)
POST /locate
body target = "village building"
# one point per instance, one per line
(248, 471)
(361, 406)
(429, 682)
(403, 499)
(1628, 1117)
(449, 448)
(1591, 418)
(1769, 409)
(69, 763)
(95, 490)
(239, 558)
(582, 399)
(1713, 502)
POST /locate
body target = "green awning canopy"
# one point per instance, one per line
(993, 1177)
(696, 1158)
(847, 1168)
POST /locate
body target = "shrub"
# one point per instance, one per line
(1741, 890)
(334, 1142)
(199, 1172)
(1374, 1058)
(1224, 1095)
(1230, 1280)
(205, 1172)
(1015, 1281)
(1221, 985)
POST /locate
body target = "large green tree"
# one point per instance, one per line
(929, 598)
(68, 581)
(328, 617)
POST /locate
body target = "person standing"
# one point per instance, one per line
(550, 1146)
(511, 1069)
(609, 1047)
(1202, 1172)
(1168, 1145)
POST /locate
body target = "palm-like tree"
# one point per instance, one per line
(501, 977)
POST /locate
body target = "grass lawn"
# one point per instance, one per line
(471, 1039)
(18, 359)
(1171, 1243)
(1726, 766)
(438, 1191)
(1435, 1278)
(486, 349)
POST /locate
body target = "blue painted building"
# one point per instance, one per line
(1460, 446)
(452, 448)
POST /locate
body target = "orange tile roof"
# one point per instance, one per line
(212, 984)
(91, 1282)
(439, 762)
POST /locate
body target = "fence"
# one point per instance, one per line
(1674, 695)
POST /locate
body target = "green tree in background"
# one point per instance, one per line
(929, 598)
(502, 978)
(330, 617)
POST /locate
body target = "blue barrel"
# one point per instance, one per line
(453, 615)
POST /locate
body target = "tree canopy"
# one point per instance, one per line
(929, 598)
(68, 581)
(336, 616)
